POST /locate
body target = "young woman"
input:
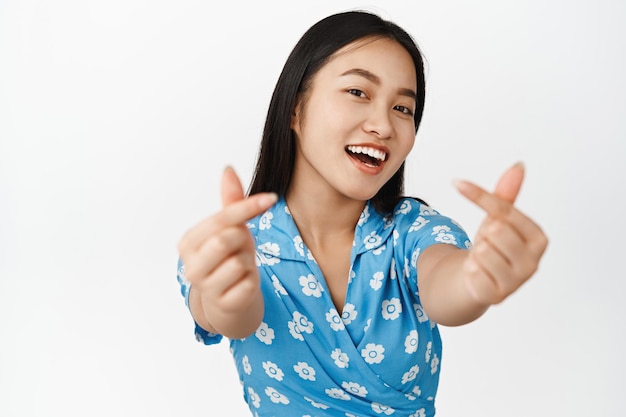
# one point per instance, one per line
(327, 281)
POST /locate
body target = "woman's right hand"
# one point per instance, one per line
(219, 258)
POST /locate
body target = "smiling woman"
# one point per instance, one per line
(327, 281)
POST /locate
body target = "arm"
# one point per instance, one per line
(219, 258)
(458, 286)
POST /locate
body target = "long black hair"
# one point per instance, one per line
(277, 152)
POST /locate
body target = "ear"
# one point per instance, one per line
(296, 116)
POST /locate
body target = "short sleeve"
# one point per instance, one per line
(202, 335)
(434, 228)
(419, 226)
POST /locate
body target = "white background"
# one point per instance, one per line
(117, 118)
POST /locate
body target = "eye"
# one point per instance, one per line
(357, 92)
(404, 110)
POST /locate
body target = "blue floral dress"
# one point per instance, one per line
(379, 357)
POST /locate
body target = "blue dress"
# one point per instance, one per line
(380, 357)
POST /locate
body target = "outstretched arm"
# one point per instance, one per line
(457, 286)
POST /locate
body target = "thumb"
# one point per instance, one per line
(510, 183)
(232, 191)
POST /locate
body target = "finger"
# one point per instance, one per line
(232, 190)
(504, 238)
(510, 183)
(500, 209)
(230, 273)
(481, 286)
(498, 268)
(235, 214)
(216, 249)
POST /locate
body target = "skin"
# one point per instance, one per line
(344, 107)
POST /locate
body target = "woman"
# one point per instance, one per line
(329, 283)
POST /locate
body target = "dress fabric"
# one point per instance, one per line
(380, 357)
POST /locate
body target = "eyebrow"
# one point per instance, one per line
(376, 80)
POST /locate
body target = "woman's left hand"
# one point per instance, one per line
(508, 245)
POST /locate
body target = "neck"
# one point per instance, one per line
(321, 218)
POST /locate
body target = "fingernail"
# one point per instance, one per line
(460, 184)
(520, 164)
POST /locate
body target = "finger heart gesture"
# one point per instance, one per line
(508, 245)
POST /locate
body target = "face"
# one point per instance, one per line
(354, 126)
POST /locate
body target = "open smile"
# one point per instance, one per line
(367, 155)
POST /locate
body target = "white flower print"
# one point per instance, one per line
(442, 236)
(420, 313)
(295, 331)
(337, 393)
(429, 350)
(411, 374)
(333, 318)
(418, 224)
(273, 371)
(268, 254)
(468, 244)
(373, 353)
(278, 287)
(419, 413)
(311, 286)
(391, 309)
(254, 398)
(379, 250)
(341, 359)
(377, 280)
(365, 214)
(367, 325)
(298, 243)
(316, 404)
(414, 256)
(304, 371)
(382, 409)
(417, 391)
(349, 313)
(404, 208)
(354, 388)
(266, 221)
(395, 235)
(411, 342)
(265, 334)
(434, 364)
(372, 240)
(388, 222)
(302, 322)
(393, 274)
(351, 276)
(276, 396)
(406, 269)
(427, 211)
(245, 363)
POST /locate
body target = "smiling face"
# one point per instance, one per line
(354, 126)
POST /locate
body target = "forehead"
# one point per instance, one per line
(382, 56)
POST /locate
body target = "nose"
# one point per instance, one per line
(378, 122)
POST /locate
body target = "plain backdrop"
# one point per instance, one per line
(118, 117)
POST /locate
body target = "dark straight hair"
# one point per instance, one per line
(277, 152)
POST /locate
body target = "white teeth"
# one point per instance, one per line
(374, 153)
